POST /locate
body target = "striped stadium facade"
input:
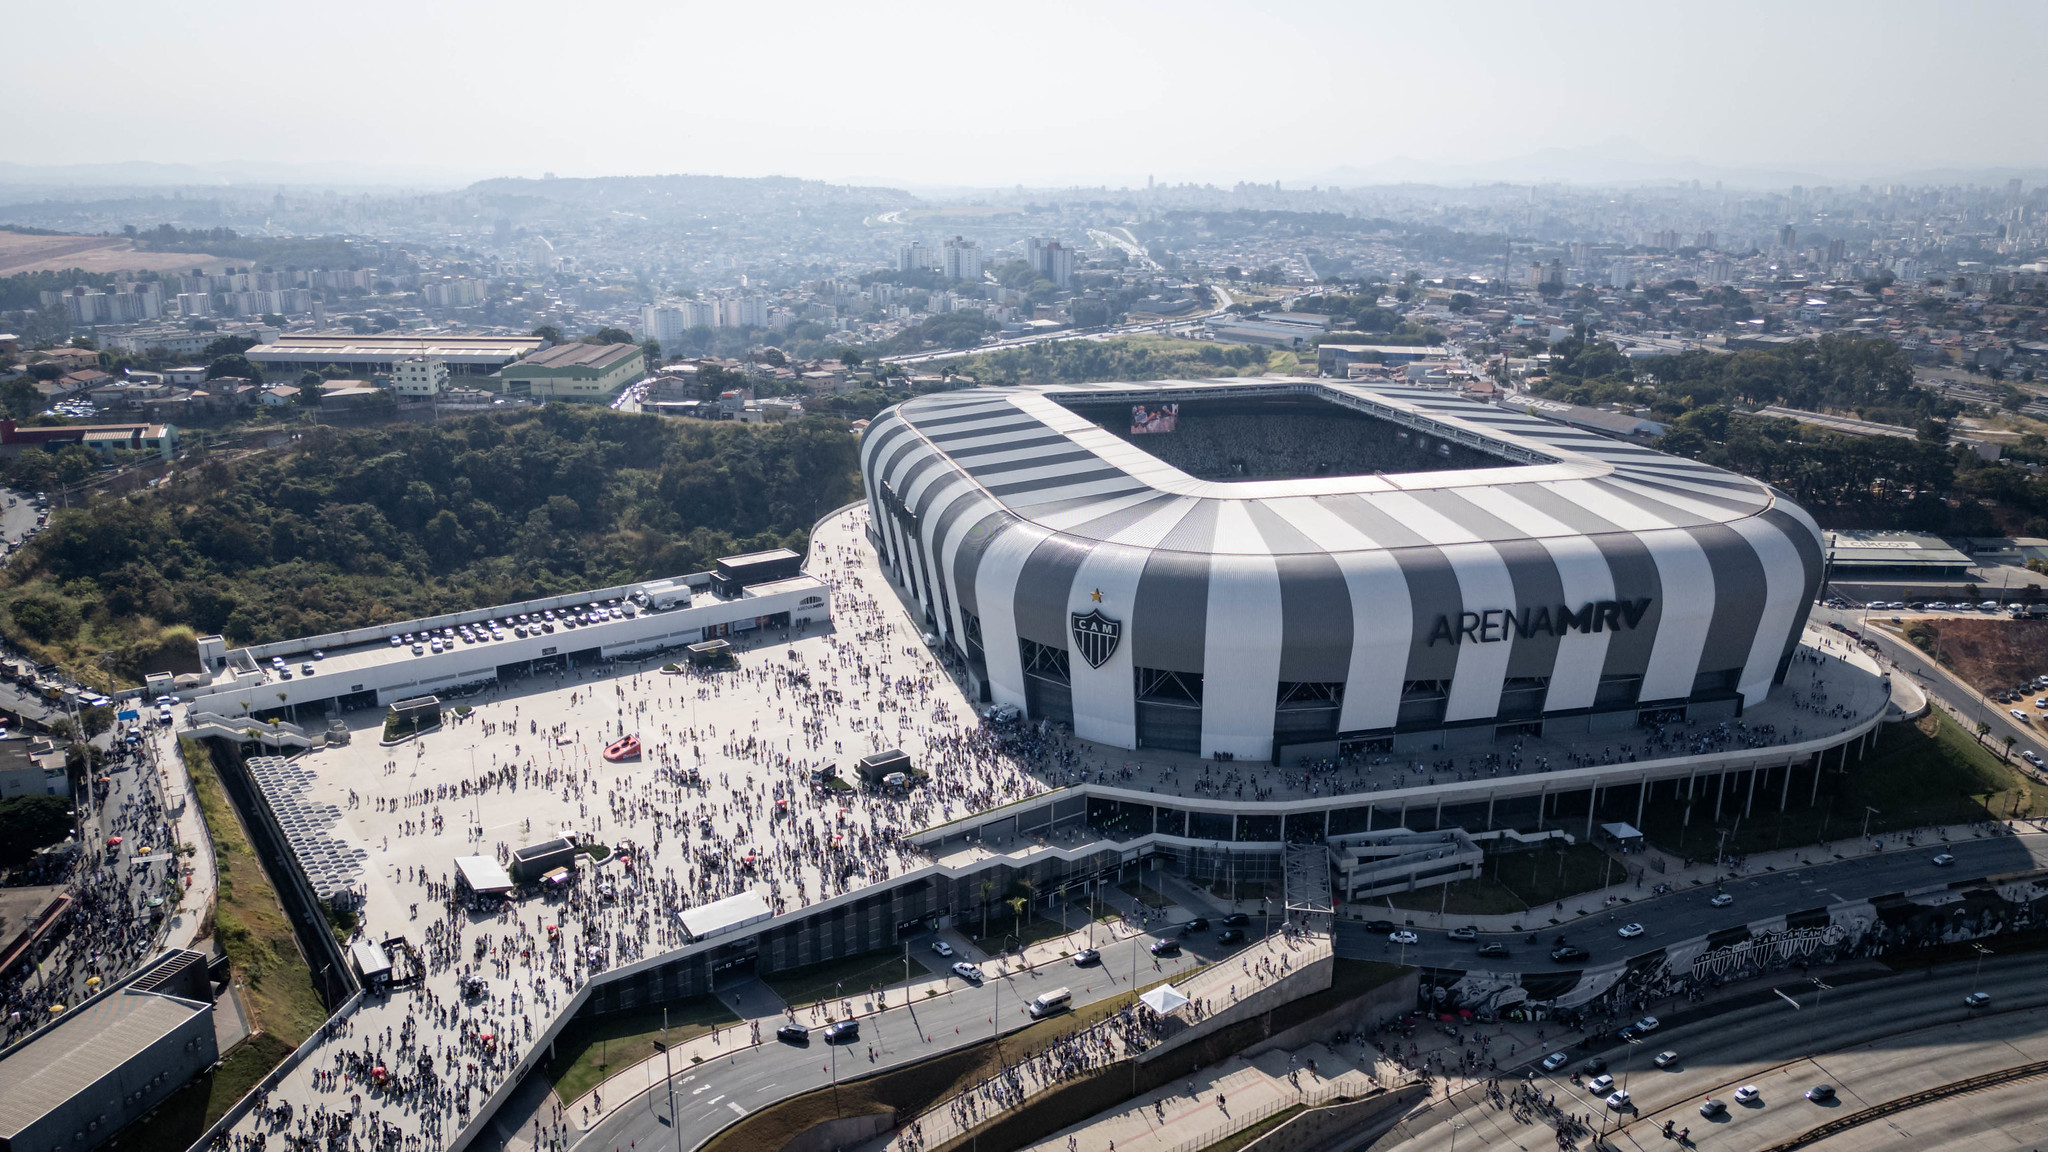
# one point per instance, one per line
(1554, 581)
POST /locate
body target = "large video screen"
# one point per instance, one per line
(1154, 418)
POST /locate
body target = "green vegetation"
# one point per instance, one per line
(31, 822)
(1124, 358)
(1519, 881)
(351, 527)
(1926, 772)
(591, 1050)
(276, 985)
(1877, 482)
(1033, 931)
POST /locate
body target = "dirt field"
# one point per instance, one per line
(19, 253)
(1993, 655)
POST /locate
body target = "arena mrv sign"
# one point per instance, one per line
(1497, 624)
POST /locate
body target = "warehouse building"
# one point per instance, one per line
(574, 372)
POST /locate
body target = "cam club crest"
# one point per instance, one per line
(1095, 636)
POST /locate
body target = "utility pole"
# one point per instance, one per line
(1981, 952)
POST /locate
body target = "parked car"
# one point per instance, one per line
(967, 972)
(1466, 933)
(942, 948)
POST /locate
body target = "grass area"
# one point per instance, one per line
(276, 984)
(1484, 896)
(1036, 929)
(836, 979)
(1243, 1139)
(1143, 893)
(1928, 771)
(589, 1051)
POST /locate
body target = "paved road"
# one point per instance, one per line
(1942, 685)
(1874, 1040)
(718, 1092)
(1688, 913)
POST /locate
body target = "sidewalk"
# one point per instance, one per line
(195, 903)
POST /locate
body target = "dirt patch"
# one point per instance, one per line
(1992, 655)
(21, 253)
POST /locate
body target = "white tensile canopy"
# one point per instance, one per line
(1163, 999)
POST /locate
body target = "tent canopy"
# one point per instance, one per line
(1163, 999)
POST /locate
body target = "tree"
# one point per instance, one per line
(549, 333)
(609, 335)
(310, 395)
(31, 822)
(851, 357)
(650, 350)
(47, 370)
(21, 398)
(309, 379)
(44, 618)
(95, 720)
(233, 364)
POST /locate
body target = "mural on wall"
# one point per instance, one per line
(1965, 910)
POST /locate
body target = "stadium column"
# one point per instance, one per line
(1687, 580)
(1243, 628)
(1379, 603)
(995, 592)
(1785, 590)
(1642, 798)
(1105, 698)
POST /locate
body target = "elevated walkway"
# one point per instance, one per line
(244, 729)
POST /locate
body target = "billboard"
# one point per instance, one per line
(1154, 418)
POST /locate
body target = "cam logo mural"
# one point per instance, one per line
(1967, 910)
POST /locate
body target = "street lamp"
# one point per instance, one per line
(1868, 812)
(1981, 952)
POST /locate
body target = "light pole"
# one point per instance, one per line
(1981, 952)
(1455, 1125)
(1868, 812)
(668, 1075)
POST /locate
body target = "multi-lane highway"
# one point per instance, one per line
(717, 1092)
(1873, 1040)
(1689, 912)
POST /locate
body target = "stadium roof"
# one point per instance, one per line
(1042, 462)
(725, 915)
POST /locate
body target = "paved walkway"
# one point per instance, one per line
(1217, 1102)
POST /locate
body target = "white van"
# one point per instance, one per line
(1056, 1000)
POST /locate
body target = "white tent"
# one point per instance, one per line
(1163, 999)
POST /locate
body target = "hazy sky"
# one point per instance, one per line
(1033, 93)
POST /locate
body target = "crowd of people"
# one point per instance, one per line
(122, 897)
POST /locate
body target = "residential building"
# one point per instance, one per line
(962, 259)
(104, 438)
(915, 256)
(1051, 259)
(420, 377)
(573, 371)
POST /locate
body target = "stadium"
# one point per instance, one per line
(1292, 569)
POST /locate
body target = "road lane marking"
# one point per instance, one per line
(714, 1100)
(735, 1106)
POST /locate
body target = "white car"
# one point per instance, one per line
(1619, 1101)
(1554, 1061)
(967, 972)
(1629, 931)
(2031, 756)
(1600, 1084)
(1944, 860)
(1747, 1094)
(1402, 936)
(1722, 899)
(942, 948)
(1649, 1024)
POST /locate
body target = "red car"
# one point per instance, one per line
(113, 841)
